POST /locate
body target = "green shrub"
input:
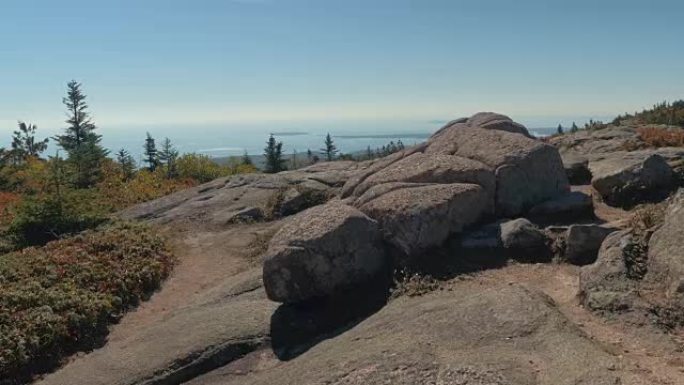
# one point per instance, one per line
(200, 168)
(40, 219)
(59, 298)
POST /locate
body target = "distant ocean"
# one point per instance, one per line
(220, 143)
(235, 140)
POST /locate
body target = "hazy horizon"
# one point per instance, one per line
(220, 140)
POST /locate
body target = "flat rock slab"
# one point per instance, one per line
(503, 335)
(191, 341)
(225, 200)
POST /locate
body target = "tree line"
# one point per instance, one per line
(275, 160)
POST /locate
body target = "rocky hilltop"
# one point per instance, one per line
(482, 256)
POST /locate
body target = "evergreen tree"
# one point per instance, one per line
(246, 160)
(560, 130)
(309, 155)
(369, 153)
(330, 149)
(24, 144)
(151, 155)
(167, 157)
(400, 145)
(127, 163)
(274, 156)
(293, 161)
(80, 141)
(574, 127)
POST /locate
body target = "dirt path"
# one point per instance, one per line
(205, 260)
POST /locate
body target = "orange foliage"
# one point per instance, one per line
(661, 137)
(7, 199)
(144, 186)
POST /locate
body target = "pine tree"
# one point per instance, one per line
(274, 156)
(151, 155)
(127, 164)
(293, 161)
(246, 160)
(330, 149)
(24, 144)
(574, 127)
(309, 156)
(560, 130)
(167, 157)
(80, 141)
(400, 145)
(369, 153)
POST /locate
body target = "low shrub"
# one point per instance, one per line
(648, 216)
(661, 137)
(42, 218)
(59, 298)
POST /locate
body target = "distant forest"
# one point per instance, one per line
(662, 113)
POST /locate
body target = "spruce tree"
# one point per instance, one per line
(24, 144)
(167, 157)
(560, 130)
(151, 155)
(246, 160)
(293, 162)
(274, 156)
(127, 164)
(574, 127)
(80, 141)
(330, 149)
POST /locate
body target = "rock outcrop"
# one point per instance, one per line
(610, 283)
(630, 262)
(239, 198)
(468, 171)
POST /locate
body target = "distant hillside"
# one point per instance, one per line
(662, 113)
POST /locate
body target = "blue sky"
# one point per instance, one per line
(170, 62)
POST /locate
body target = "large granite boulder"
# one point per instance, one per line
(414, 219)
(527, 171)
(321, 251)
(624, 179)
(666, 253)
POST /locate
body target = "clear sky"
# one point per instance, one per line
(216, 61)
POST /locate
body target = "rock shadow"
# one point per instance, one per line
(295, 328)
